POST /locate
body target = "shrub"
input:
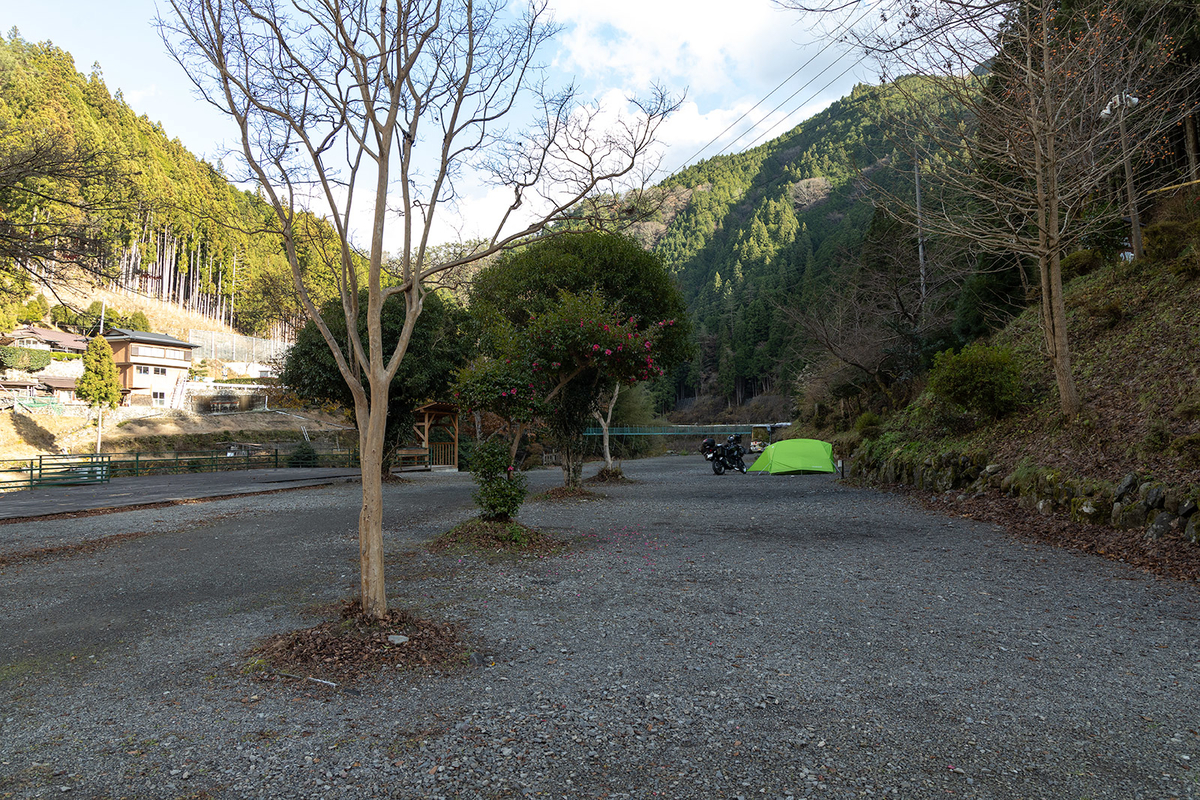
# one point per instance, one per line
(304, 455)
(983, 380)
(1164, 241)
(501, 488)
(866, 421)
(1081, 262)
(24, 359)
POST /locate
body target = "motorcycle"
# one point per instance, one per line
(726, 455)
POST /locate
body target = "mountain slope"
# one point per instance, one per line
(180, 230)
(749, 233)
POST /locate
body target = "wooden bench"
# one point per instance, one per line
(412, 458)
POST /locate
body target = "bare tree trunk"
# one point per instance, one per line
(1054, 311)
(605, 422)
(371, 425)
(1189, 137)
(572, 464)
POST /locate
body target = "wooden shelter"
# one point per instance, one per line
(432, 417)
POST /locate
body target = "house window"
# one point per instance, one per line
(160, 370)
(160, 398)
(143, 370)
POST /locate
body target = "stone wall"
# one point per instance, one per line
(1133, 504)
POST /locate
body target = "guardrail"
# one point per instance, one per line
(676, 430)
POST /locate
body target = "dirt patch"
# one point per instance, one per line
(562, 493)
(181, 423)
(606, 475)
(354, 646)
(32, 435)
(507, 539)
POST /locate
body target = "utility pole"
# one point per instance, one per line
(920, 232)
(1119, 103)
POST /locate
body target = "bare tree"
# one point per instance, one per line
(54, 200)
(878, 318)
(342, 102)
(1015, 158)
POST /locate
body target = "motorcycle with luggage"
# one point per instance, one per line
(726, 455)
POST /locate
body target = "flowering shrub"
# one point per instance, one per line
(502, 489)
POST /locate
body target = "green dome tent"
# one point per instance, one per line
(795, 457)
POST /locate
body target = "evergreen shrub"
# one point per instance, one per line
(304, 455)
(24, 359)
(868, 424)
(1164, 241)
(1081, 262)
(502, 489)
(982, 379)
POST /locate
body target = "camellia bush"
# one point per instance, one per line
(502, 489)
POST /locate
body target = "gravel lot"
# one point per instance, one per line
(704, 637)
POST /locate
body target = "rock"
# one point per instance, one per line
(1155, 497)
(1085, 509)
(991, 469)
(396, 638)
(1127, 485)
(1045, 507)
(1187, 508)
(1192, 532)
(1128, 516)
(1161, 525)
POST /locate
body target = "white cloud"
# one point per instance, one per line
(709, 46)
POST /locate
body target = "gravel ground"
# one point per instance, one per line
(704, 637)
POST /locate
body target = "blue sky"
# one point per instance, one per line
(726, 56)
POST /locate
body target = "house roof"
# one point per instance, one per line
(55, 382)
(144, 337)
(67, 341)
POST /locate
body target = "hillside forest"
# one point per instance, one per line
(89, 190)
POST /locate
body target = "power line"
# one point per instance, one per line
(811, 97)
(832, 40)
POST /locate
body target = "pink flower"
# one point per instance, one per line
(595, 347)
(607, 352)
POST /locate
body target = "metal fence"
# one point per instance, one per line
(235, 347)
(28, 473)
(55, 470)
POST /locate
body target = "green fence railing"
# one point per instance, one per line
(55, 470)
(28, 473)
